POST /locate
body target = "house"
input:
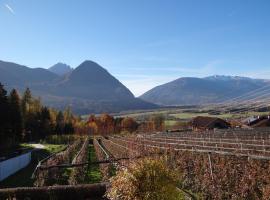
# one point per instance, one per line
(250, 119)
(261, 121)
(208, 123)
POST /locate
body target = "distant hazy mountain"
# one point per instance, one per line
(60, 69)
(188, 90)
(88, 88)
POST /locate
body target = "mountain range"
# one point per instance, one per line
(89, 88)
(197, 91)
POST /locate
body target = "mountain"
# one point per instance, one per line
(60, 69)
(89, 88)
(12, 75)
(89, 80)
(196, 91)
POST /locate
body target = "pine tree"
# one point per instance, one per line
(15, 115)
(46, 123)
(60, 123)
(4, 122)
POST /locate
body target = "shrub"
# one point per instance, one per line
(146, 179)
(60, 139)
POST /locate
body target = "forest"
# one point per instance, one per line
(25, 119)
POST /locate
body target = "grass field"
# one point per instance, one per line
(227, 115)
(189, 114)
(172, 116)
(52, 148)
(169, 123)
(93, 173)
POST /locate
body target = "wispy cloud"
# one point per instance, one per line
(10, 9)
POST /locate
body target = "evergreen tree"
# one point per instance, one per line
(15, 115)
(46, 123)
(68, 128)
(32, 126)
(4, 122)
(28, 120)
(60, 123)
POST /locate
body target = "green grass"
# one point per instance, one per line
(186, 115)
(25, 145)
(93, 173)
(53, 148)
(65, 176)
(169, 123)
(22, 178)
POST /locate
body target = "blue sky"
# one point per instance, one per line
(143, 43)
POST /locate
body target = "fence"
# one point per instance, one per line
(12, 165)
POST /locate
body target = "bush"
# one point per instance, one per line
(146, 179)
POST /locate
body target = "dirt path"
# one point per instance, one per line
(38, 146)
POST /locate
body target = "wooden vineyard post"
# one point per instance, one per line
(241, 146)
(210, 166)
(264, 147)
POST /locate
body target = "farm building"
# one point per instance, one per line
(260, 121)
(208, 123)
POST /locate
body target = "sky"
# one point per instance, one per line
(143, 43)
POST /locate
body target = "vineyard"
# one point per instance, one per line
(217, 165)
(231, 164)
(49, 173)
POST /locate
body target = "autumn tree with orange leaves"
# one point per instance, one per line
(129, 124)
(106, 124)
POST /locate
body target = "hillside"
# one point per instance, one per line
(213, 89)
(13, 75)
(89, 88)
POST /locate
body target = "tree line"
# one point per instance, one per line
(24, 119)
(106, 124)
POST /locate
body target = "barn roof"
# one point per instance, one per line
(202, 121)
